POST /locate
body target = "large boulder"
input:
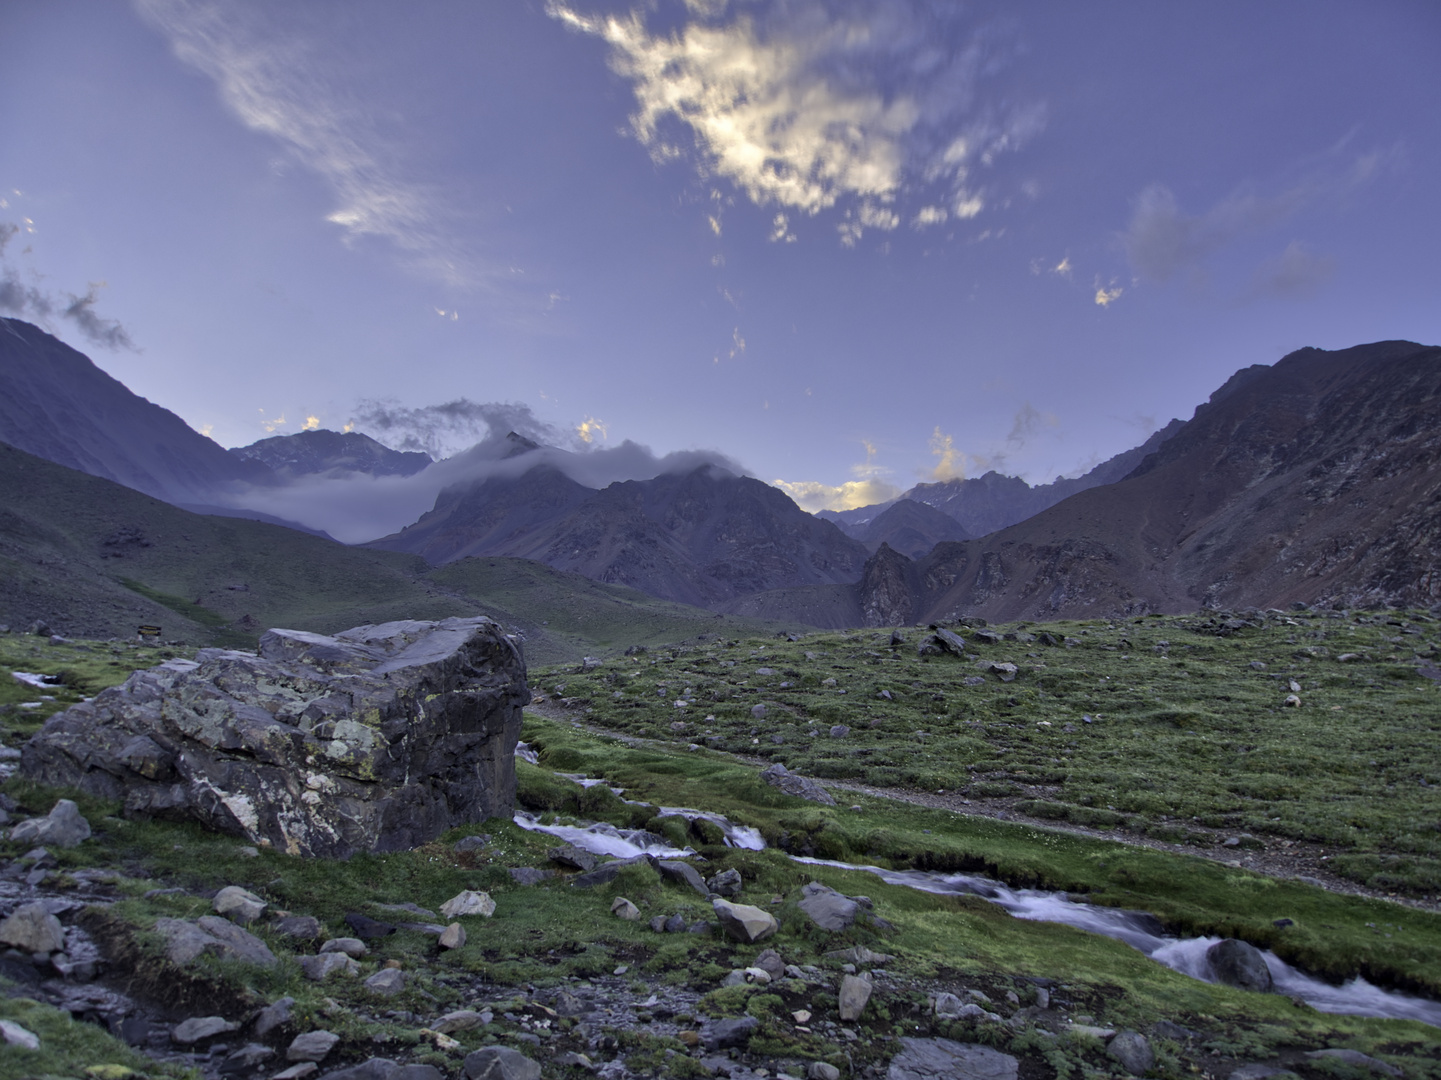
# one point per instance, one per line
(377, 739)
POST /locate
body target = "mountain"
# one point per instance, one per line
(95, 559)
(55, 403)
(1315, 480)
(317, 452)
(700, 537)
(910, 527)
(983, 504)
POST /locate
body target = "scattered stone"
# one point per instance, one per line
(31, 928)
(351, 947)
(368, 929)
(238, 905)
(462, 1020)
(1239, 964)
(683, 873)
(453, 937)
(530, 875)
(247, 1059)
(319, 968)
(758, 712)
(827, 908)
(210, 934)
(1256, 1071)
(822, 1070)
(855, 991)
(468, 902)
(199, 1028)
(801, 787)
(63, 827)
(947, 1006)
(1004, 672)
(1133, 1051)
(311, 1046)
(839, 731)
(769, 961)
(568, 1004)
(723, 1034)
(1292, 701)
(745, 923)
(470, 843)
(860, 955)
(573, 857)
(397, 733)
(15, 1035)
(622, 908)
(276, 1014)
(1356, 1059)
(299, 927)
(727, 883)
(500, 1063)
(386, 982)
(605, 872)
(933, 1059)
(1294, 686)
(951, 642)
(309, 1068)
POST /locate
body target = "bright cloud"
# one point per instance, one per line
(806, 108)
(1106, 297)
(869, 487)
(312, 423)
(590, 429)
(950, 459)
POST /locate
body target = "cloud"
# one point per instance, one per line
(1162, 240)
(357, 507)
(273, 83)
(807, 106)
(31, 302)
(1106, 297)
(1027, 423)
(1295, 273)
(590, 429)
(446, 429)
(869, 487)
(950, 459)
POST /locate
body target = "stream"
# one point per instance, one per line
(1138, 929)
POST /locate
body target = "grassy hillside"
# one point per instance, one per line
(95, 559)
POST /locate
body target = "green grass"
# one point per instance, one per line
(1186, 735)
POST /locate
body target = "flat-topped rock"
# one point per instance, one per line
(377, 739)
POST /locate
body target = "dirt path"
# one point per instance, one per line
(1279, 858)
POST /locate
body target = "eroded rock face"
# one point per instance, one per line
(376, 739)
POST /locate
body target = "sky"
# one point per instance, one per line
(849, 246)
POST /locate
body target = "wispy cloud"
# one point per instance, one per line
(1296, 272)
(805, 107)
(270, 80)
(1162, 239)
(30, 301)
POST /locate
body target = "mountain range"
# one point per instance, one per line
(1312, 480)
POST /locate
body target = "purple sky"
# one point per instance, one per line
(858, 244)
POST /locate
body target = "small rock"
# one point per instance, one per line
(299, 927)
(311, 1046)
(366, 928)
(821, 1070)
(453, 936)
(529, 875)
(319, 968)
(758, 712)
(573, 857)
(462, 1020)
(199, 1028)
(386, 982)
(922, 1059)
(947, 1006)
(682, 873)
(1239, 964)
(63, 827)
(15, 1035)
(247, 1059)
(238, 905)
(308, 1068)
(500, 1063)
(351, 947)
(745, 923)
(468, 902)
(827, 908)
(855, 991)
(276, 1014)
(1133, 1051)
(624, 909)
(733, 1031)
(31, 928)
(771, 963)
(726, 883)
(470, 843)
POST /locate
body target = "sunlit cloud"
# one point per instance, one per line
(590, 429)
(950, 459)
(1106, 297)
(271, 426)
(869, 487)
(312, 423)
(452, 315)
(1063, 267)
(270, 80)
(781, 230)
(805, 107)
(927, 216)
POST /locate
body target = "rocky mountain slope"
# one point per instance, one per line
(1311, 481)
(701, 537)
(55, 403)
(317, 452)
